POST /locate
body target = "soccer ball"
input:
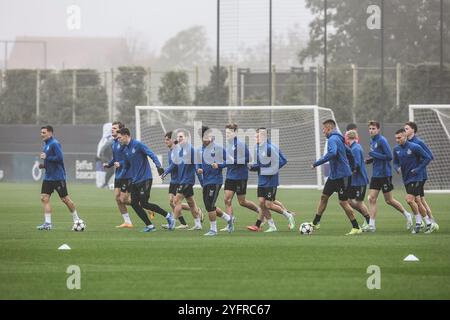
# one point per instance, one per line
(306, 228)
(79, 225)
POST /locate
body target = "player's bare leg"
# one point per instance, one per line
(71, 206)
(243, 202)
(427, 208)
(265, 209)
(323, 202)
(390, 200)
(228, 200)
(122, 200)
(372, 198)
(195, 211)
(184, 206)
(45, 200)
(264, 214)
(361, 207)
(284, 212)
(419, 213)
(349, 212)
(177, 205)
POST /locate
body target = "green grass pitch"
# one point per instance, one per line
(128, 264)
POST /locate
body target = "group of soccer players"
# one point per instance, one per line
(348, 177)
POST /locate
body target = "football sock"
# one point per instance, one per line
(316, 219)
(271, 223)
(182, 221)
(226, 217)
(372, 222)
(406, 214)
(258, 223)
(427, 220)
(198, 223)
(126, 218)
(367, 219)
(354, 224)
(75, 215)
(48, 217)
(286, 214)
(214, 226)
(418, 219)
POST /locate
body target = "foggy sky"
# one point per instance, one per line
(152, 21)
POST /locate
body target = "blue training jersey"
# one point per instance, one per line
(339, 156)
(381, 153)
(119, 156)
(412, 160)
(238, 157)
(174, 179)
(424, 146)
(136, 160)
(183, 160)
(210, 154)
(54, 160)
(269, 161)
(359, 176)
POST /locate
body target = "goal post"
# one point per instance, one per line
(433, 122)
(296, 129)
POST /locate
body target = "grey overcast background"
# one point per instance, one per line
(152, 21)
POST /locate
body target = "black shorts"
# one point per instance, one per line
(210, 194)
(341, 186)
(186, 190)
(357, 193)
(238, 186)
(413, 188)
(122, 184)
(48, 186)
(141, 190)
(384, 184)
(173, 188)
(422, 188)
(268, 193)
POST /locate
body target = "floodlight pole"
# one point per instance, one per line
(270, 57)
(325, 53)
(441, 62)
(218, 56)
(382, 56)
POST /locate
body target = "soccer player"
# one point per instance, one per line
(268, 180)
(174, 181)
(212, 162)
(359, 181)
(183, 157)
(340, 175)
(381, 157)
(411, 130)
(54, 178)
(411, 159)
(238, 157)
(136, 160)
(122, 178)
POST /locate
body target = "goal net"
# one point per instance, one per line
(296, 129)
(433, 122)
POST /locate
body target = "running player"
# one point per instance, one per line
(381, 157)
(54, 178)
(411, 159)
